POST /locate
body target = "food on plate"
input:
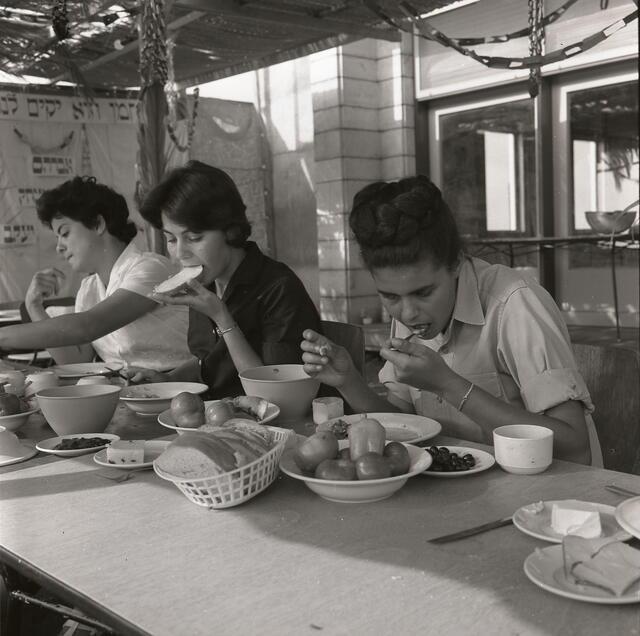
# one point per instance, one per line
(315, 449)
(366, 436)
(239, 424)
(129, 451)
(77, 443)
(399, 458)
(602, 562)
(341, 469)
(340, 429)
(372, 466)
(219, 412)
(577, 518)
(243, 406)
(255, 406)
(141, 392)
(446, 462)
(534, 508)
(187, 410)
(9, 402)
(177, 284)
(200, 454)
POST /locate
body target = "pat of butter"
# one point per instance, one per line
(126, 452)
(574, 517)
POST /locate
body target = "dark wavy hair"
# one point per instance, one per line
(199, 197)
(399, 223)
(83, 199)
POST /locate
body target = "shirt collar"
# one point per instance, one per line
(468, 307)
(248, 270)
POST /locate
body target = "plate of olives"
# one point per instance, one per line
(457, 461)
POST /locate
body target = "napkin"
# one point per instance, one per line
(603, 562)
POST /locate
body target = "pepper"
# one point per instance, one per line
(366, 436)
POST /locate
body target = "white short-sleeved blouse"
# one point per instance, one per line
(507, 336)
(157, 340)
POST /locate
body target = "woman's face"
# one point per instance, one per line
(77, 244)
(421, 296)
(208, 248)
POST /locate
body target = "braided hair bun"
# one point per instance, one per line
(401, 222)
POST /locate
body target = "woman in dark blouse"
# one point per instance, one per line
(245, 309)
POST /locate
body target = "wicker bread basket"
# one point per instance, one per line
(237, 486)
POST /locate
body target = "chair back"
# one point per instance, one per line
(349, 336)
(612, 375)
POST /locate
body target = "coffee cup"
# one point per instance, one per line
(523, 449)
(327, 408)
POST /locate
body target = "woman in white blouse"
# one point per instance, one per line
(114, 318)
(473, 345)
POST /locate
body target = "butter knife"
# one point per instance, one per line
(469, 532)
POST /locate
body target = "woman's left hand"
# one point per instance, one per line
(417, 365)
(196, 295)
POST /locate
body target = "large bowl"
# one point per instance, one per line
(86, 408)
(286, 385)
(365, 491)
(152, 399)
(608, 222)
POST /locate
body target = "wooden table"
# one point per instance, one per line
(143, 559)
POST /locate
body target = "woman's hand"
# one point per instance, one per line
(138, 375)
(325, 360)
(44, 284)
(196, 295)
(417, 365)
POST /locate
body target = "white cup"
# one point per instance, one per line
(326, 408)
(10, 445)
(93, 379)
(523, 449)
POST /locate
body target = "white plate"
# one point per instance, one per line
(365, 491)
(152, 450)
(539, 524)
(401, 427)
(628, 516)
(27, 357)
(29, 451)
(545, 568)
(483, 459)
(48, 445)
(166, 420)
(79, 370)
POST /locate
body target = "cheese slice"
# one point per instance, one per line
(604, 563)
(575, 517)
(179, 280)
(126, 452)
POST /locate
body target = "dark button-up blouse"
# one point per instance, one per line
(271, 306)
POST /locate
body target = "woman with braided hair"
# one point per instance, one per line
(472, 345)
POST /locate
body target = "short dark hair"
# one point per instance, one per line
(398, 223)
(83, 199)
(199, 197)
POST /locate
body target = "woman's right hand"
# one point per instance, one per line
(44, 284)
(138, 375)
(325, 360)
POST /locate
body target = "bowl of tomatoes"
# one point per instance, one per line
(361, 469)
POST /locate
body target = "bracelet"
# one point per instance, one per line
(221, 332)
(465, 397)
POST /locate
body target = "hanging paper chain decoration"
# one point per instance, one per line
(86, 167)
(59, 20)
(536, 40)
(191, 125)
(429, 32)
(153, 47)
(41, 150)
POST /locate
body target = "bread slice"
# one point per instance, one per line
(197, 455)
(178, 282)
(255, 406)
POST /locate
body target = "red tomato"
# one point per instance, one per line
(219, 412)
(372, 466)
(316, 448)
(187, 410)
(398, 457)
(337, 469)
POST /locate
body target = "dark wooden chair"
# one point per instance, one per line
(349, 336)
(612, 375)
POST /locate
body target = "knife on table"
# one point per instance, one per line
(469, 532)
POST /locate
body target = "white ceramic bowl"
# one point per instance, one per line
(14, 422)
(364, 491)
(84, 408)
(166, 419)
(286, 385)
(152, 399)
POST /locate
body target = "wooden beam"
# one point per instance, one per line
(260, 13)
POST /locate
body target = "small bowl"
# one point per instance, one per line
(152, 399)
(84, 408)
(608, 222)
(10, 445)
(365, 491)
(14, 422)
(286, 385)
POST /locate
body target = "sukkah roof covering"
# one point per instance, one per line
(213, 38)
